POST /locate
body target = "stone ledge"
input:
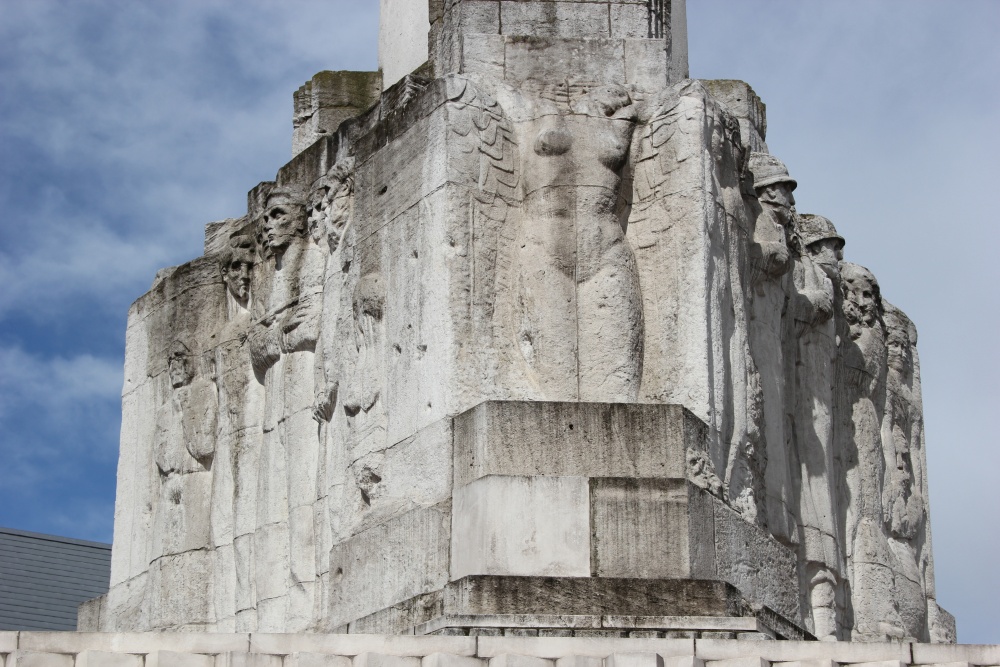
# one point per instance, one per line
(173, 649)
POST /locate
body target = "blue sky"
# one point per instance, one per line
(126, 126)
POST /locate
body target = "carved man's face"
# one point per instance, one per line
(828, 253)
(900, 355)
(281, 224)
(861, 299)
(778, 195)
(317, 213)
(236, 274)
(178, 370)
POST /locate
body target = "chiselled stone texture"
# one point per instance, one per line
(530, 346)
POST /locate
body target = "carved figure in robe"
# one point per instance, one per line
(282, 342)
(813, 349)
(861, 376)
(234, 483)
(579, 305)
(904, 501)
(184, 451)
(330, 212)
(771, 261)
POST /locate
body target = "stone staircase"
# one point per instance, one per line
(190, 649)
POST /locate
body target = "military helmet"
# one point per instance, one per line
(768, 170)
(813, 228)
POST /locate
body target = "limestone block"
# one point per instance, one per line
(413, 559)
(483, 56)
(133, 642)
(8, 642)
(383, 660)
(881, 663)
(789, 651)
(589, 439)
(107, 659)
(630, 20)
(554, 61)
(730, 623)
(244, 659)
(402, 38)
(579, 661)
(38, 659)
(738, 662)
(522, 526)
(633, 659)
(741, 100)
(352, 645)
(509, 621)
(640, 528)
(181, 587)
(305, 659)
(646, 62)
(556, 647)
(508, 660)
(447, 660)
(976, 654)
(807, 663)
(175, 659)
(683, 661)
(555, 19)
(754, 562)
(948, 664)
(88, 614)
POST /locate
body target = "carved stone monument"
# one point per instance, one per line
(527, 334)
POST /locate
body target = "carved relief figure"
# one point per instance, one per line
(281, 346)
(184, 452)
(771, 262)
(904, 504)
(235, 473)
(579, 303)
(813, 349)
(862, 378)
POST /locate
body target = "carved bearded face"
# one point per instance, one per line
(236, 274)
(178, 370)
(900, 353)
(862, 299)
(282, 223)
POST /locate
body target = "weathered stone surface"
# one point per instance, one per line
(507, 525)
(38, 659)
(107, 659)
(531, 330)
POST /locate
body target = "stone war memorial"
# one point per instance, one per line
(526, 356)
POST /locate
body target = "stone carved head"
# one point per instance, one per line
(236, 267)
(822, 242)
(284, 219)
(862, 296)
(179, 368)
(330, 205)
(901, 338)
(773, 184)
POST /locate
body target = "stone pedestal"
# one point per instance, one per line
(560, 510)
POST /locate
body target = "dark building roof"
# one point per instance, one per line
(43, 578)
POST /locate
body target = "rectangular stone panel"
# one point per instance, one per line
(411, 558)
(544, 60)
(588, 439)
(506, 525)
(351, 645)
(546, 18)
(601, 647)
(640, 528)
(757, 564)
(591, 595)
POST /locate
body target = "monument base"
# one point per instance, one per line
(581, 607)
